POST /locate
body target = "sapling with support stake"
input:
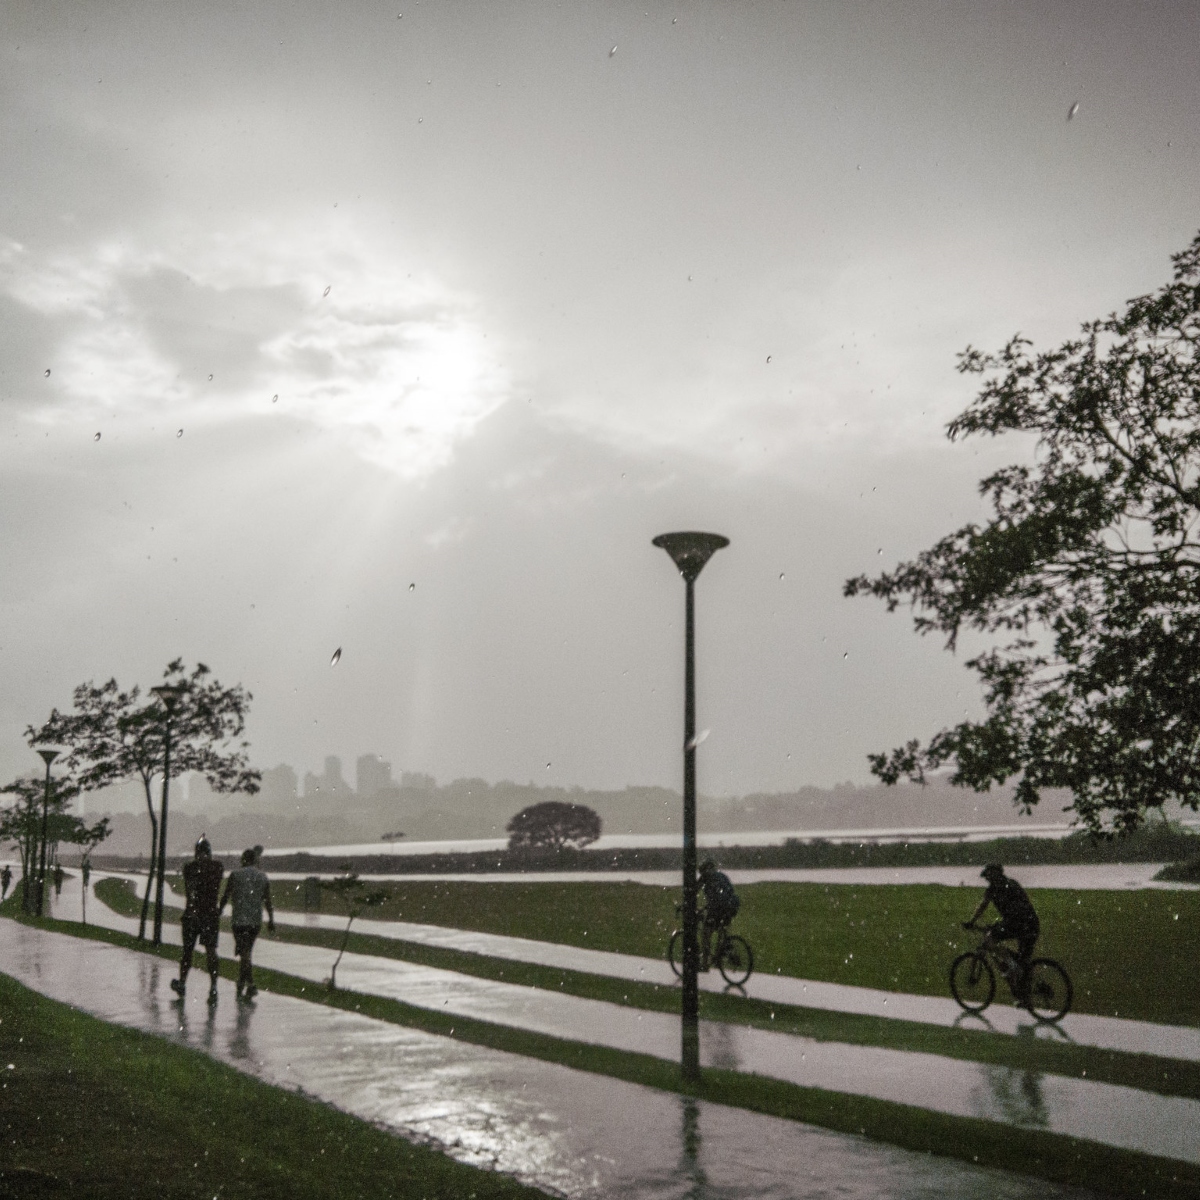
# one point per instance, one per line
(353, 893)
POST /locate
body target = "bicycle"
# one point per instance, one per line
(1047, 991)
(731, 954)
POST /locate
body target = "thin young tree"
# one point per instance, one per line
(113, 735)
(1088, 570)
(21, 825)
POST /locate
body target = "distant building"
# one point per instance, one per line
(417, 781)
(372, 775)
(330, 785)
(278, 790)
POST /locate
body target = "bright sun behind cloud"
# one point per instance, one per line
(196, 329)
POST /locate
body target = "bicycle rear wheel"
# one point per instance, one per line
(1050, 990)
(736, 960)
(675, 953)
(972, 981)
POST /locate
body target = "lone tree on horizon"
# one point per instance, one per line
(112, 735)
(553, 825)
(1088, 571)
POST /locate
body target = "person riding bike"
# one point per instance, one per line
(1018, 918)
(721, 904)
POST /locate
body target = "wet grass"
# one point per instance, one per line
(92, 1109)
(1026, 1151)
(1168, 1077)
(1129, 953)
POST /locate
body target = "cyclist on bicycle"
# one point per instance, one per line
(1018, 918)
(721, 904)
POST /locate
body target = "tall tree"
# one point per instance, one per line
(1088, 570)
(113, 735)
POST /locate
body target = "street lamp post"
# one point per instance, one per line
(170, 697)
(690, 551)
(48, 756)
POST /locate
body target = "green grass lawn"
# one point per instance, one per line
(93, 1110)
(1129, 953)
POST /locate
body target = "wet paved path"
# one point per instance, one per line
(569, 1133)
(1117, 1116)
(1109, 1033)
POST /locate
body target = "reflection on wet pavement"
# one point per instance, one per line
(569, 1133)
(1117, 1116)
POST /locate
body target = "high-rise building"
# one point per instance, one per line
(278, 789)
(330, 785)
(373, 774)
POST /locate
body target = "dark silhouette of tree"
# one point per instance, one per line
(112, 735)
(553, 825)
(21, 825)
(1088, 569)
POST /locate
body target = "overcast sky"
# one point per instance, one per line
(404, 328)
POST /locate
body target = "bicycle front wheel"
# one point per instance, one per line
(972, 981)
(675, 953)
(1050, 990)
(736, 961)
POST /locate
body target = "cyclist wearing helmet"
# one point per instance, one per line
(202, 883)
(1018, 919)
(721, 904)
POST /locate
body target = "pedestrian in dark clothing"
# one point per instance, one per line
(201, 919)
(59, 876)
(247, 890)
(1018, 919)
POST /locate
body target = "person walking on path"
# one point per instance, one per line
(247, 890)
(5, 881)
(59, 876)
(201, 917)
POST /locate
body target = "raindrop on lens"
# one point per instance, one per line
(96, 438)
(547, 766)
(325, 292)
(701, 736)
(46, 372)
(847, 654)
(612, 52)
(1072, 111)
(337, 657)
(768, 358)
(412, 587)
(780, 574)
(275, 398)
(179, 433)
(210, 379)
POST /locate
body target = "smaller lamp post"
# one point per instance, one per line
(170, 695)
(48, 756)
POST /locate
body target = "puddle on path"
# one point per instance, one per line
(569, 1133)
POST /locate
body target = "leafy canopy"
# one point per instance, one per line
(112, 734)
(1088, 571)
(553, 825)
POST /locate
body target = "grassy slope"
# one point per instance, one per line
(1027, 1151)
(1130, 954)
(95, 1110)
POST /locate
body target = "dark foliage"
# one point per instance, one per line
(1088, 572)
(553, 825)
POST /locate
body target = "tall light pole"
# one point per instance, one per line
(48, 756)
(170, 695)
(690, 551)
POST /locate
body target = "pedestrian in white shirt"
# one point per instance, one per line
(247, 889)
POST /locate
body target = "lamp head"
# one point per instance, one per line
(170, 695)
(691, 551)
(48, 756)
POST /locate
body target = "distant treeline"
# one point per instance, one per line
(1157, 843)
